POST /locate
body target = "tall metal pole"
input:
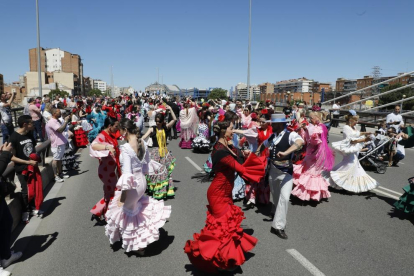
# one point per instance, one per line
(112, 82)
(248, 55)
(39, 67)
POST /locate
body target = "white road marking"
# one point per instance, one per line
(384, 193)
(303, 261)
(193, 163)
(391, 191)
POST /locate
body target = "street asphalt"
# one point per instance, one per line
(350, 234)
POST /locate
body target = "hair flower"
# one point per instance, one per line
(264, 111)
(221, 118)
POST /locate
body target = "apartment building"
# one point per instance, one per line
(302, 85)
(57, 60)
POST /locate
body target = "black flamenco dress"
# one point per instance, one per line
(222, 244)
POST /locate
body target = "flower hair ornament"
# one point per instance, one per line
(264, 111)
(221, 118)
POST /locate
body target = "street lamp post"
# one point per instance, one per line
(39, 68)
(288, 97)
(248, 55)
(401, 107)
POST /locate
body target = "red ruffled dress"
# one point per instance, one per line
(221, 244)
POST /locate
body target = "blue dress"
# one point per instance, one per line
(97, 124)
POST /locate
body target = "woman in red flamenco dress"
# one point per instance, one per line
(221, 244)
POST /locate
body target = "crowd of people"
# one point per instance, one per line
(254, 152)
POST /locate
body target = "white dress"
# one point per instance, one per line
(349, 174)
(138, 220)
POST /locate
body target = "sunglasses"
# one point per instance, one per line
(158, 122)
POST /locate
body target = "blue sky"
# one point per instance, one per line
(204, 43)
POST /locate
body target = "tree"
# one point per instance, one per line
(95, 92)
(58, 92)
(397, 95)
(218, 93)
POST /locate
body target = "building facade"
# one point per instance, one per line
(345, 85)
(241, 92)
(302, 85)
(57, 60)
(99, 84)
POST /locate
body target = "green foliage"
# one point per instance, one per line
(218, 93)
(398, 95)
(58, 92)
(95, 92)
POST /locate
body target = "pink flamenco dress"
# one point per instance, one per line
(137, 221)
(308, 178)
(222, 243)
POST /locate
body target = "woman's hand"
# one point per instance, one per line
(111, 149)
(246, 153)
(281, 154)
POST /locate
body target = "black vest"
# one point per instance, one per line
(283, 145)
(153, 136)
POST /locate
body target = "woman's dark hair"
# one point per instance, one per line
(109, 121)
(129, 126)
(160, 117)
(230, 116)
(220, 127)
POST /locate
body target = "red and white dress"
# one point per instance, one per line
(108, 170)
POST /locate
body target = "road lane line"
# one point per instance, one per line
(303, 261)
(391, 191)
(193, 163)
(384, 193)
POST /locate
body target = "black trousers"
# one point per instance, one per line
(335, 123)
(6, 224)
(174, 129)
(24, 195)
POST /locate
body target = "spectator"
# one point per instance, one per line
(6, 220)
(36, 115)
(46, 100)
(23, 144)
(395, 119)
(336, 114)
(58, 141)
(7, 127)
(176, 109)
(288, 110)
(56, 101)
(47, 113)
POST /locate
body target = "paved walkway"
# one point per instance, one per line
(349, 235)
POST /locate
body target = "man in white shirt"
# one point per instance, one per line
(336, 114)
(6, 122)
(281, 144)
(395, 119)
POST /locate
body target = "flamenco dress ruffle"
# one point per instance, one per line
(200, 144)
(307, 176)
(221, 244)
(349, 174)
(310, 184)
(160, 183)
(81, 140)
(139, 227)
(406, 201)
